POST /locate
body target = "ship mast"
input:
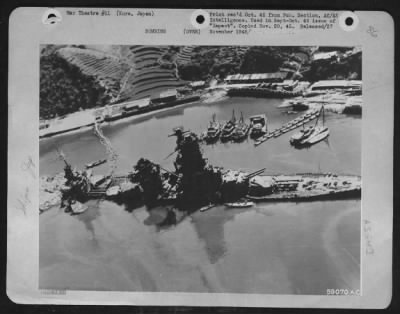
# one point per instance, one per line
(62, 157)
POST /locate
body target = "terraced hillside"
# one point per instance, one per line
(126, 72)
(151, 74)
(184, 56)
(107, 73)
(64, 88)
(208, 62)
(117, 72)
(108, 69)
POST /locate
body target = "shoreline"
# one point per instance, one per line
(206, 97)
(119, 121)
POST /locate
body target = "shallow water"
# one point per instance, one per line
(302, 248)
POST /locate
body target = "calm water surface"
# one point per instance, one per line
(302, 248)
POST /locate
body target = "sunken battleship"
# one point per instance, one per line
(192, 185)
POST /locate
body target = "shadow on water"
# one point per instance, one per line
(129, 204)
(88, 217)
(170, 113)
(309, 146)
(210, 229)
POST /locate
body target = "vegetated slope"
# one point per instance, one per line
(64, 88)
(345, 67)
(74, 77)
(107, 68)
(220, 61)
(126, 72)
(151, 75)
(205, 62)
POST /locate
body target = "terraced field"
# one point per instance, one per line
(107, 68)
(133, 72)
(185, 55)
(127, 72)
(149, 76)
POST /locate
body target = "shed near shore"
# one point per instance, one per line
(336, 84)
(256, 78)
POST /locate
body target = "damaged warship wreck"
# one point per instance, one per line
(194, 184)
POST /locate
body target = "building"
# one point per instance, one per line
(336, 84)
(197, 84)
(166, 96)
(325, 56)
(136, 104)
(256, 78)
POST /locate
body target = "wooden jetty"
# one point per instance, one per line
(289, 126)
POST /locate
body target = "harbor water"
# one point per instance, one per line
(291, 248)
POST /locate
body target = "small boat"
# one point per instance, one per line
(228, 128)
(244, 204)
(258, 126)
(95, 163)
(308, 120)
(300, 136)
(261, 140)
(213, 131)
(113, 191)
(241, 131)
(299, 106)
(207, 207)
(308, 114)
(77, 208)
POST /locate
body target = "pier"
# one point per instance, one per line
(289, 126)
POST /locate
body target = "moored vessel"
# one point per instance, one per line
(301, 135)
(243, 204)
(242, 130)
(258, 125)
(213, 131)
(228, 128)
(319, 132)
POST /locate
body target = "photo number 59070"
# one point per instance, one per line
(342, 292)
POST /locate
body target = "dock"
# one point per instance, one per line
(289, 126)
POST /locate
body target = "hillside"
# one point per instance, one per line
(105, 73)
(74, 77)
(64, 88)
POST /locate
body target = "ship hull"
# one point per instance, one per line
(294, 197)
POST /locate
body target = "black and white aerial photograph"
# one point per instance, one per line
(206, 169)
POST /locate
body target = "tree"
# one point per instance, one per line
(64, 88)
